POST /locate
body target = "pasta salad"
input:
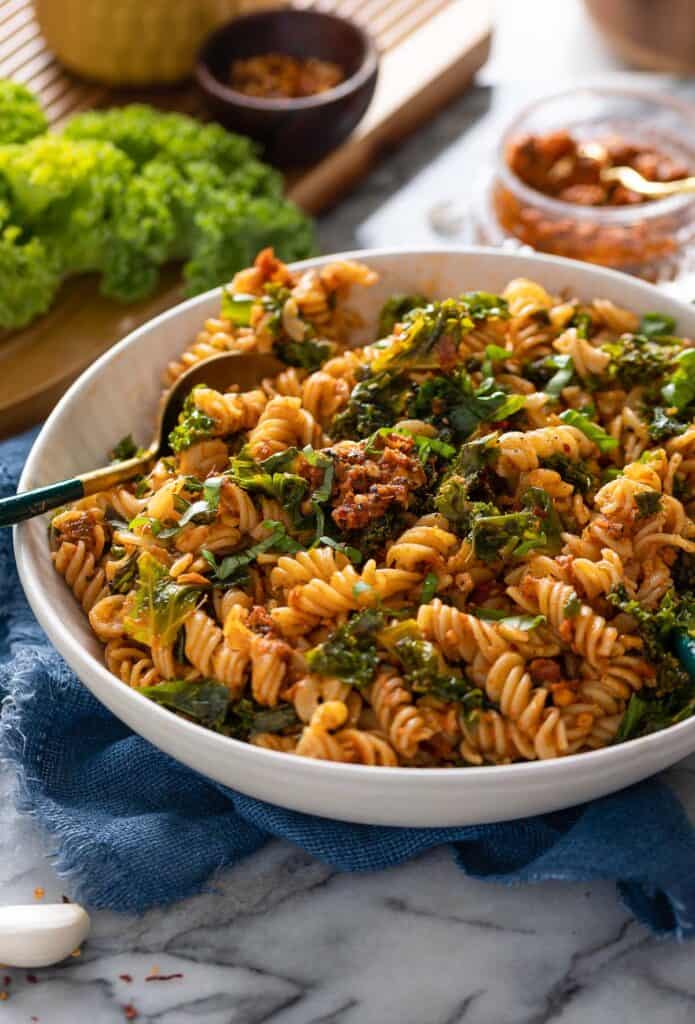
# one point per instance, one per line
(468, 542)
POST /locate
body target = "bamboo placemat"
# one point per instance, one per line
(429, 52)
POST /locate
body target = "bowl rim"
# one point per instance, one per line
(211, 84)
(85, 664)
(561, 208)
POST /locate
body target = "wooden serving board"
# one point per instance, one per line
(429, 52)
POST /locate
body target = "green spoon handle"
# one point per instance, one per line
(685, 649)
(33, 503)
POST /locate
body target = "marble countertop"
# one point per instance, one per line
(283, 938)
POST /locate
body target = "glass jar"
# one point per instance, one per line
(649, 239)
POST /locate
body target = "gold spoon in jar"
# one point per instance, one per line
(632, 179)
(246, 370)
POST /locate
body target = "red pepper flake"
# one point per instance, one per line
(32, 979)
(162, 977)
(39, 893)
(34, 1019)
(129, 1012)
(126, 977)
(7, 980)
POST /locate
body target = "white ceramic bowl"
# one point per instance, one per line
(118, 395)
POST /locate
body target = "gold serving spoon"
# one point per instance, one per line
(246, 370)
(632, 179)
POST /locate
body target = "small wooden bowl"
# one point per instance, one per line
(292, 131)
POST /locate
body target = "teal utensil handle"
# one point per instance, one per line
(34, 503)
(685, 649)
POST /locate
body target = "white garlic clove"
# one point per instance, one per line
(41, 935)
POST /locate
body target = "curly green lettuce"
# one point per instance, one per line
(29, 278)
(21, 116)
(124, 191)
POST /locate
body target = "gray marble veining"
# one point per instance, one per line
(284, 939)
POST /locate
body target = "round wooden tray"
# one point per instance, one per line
(38, 363)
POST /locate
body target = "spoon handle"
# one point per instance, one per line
(33, 503)
(685, 651)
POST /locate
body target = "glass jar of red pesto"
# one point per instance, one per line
(650, 239)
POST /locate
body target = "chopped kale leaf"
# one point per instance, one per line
(193, 426)
(679, 390)
(378, 400)
(648, 504)
(350, 651)
(125, 449)
(425, 670)
(310, 353)
(396, 308)
(575, 473)
(233, 569)
(204, 701)
(663, 426)
(603, 441)
(654, 325)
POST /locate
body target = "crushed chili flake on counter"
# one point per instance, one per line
(39, 893)
(129, 1012)
(126, 977)
(163, 977)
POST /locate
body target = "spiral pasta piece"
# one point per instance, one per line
(82, 574)
(588, 359)
(583, 629)
(398, 717)
(459, 635)
(216, 337)
(622, 321)
(130, 663)
(282, 424)
(106, 617)
(421, 547)
(317, 563)
(212, 655)
(323, 396)
(508, 684)
(273, 741)
(364, 747)
(230, 412)
(521, 452)
(489, 738)
(595, 578)
(347, 590)
(318, 739)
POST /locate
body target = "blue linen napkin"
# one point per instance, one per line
(133, 828)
